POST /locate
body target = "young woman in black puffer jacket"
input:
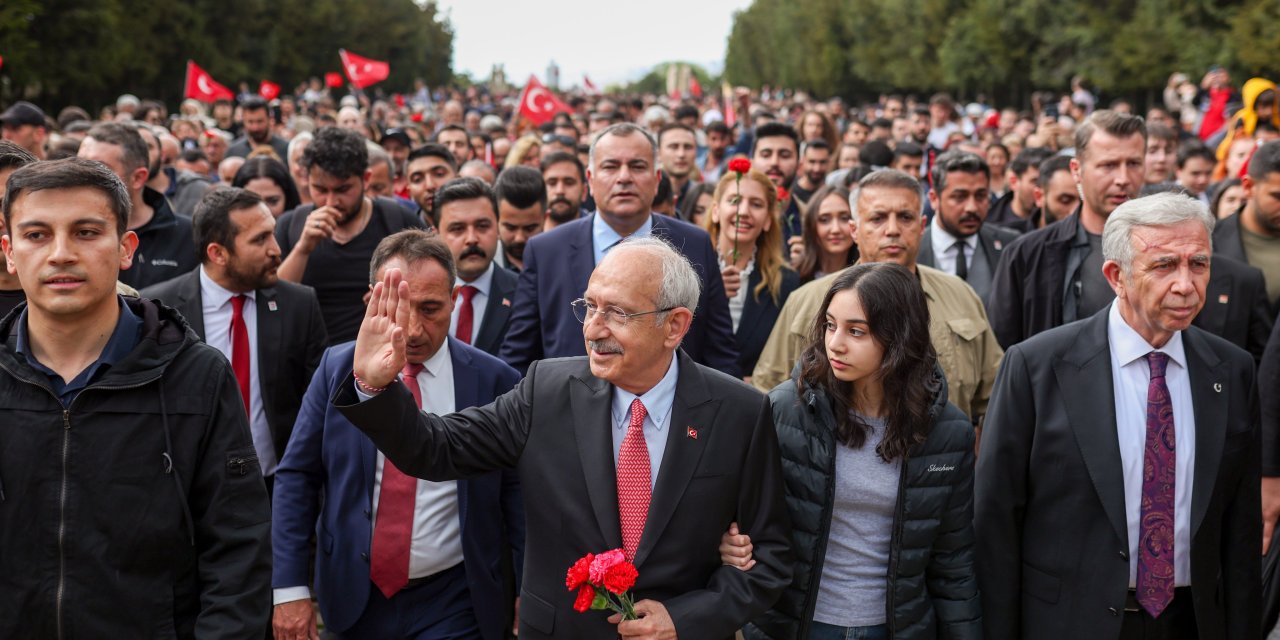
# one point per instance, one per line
(879, 475)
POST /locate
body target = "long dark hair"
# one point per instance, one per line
(898, 318)
(811, 259)
(273, 170)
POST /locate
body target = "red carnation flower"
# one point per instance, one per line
(579, 572)
(586, 595)
(783, 194)
(603, 563)
(739, 165)
(620, 577)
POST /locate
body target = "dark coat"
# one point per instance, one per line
(1052, 534)
(291, 339)
(141, 503)
(497, 311)
(720, 465)
(932, 591)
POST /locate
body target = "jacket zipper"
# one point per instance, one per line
(66, 454)
(895, 546)
(62, 517)
(806, 621)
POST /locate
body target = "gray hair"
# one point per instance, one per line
(298, 141)
(623, 130)
(885, 179)
(1159, 210)
(680, 285)
(379, 155)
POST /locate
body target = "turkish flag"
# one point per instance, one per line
(202, 87)
(589, 85)
(269, 90)
(333, 80)
(695, 87)
(362, 71)
(538, 104)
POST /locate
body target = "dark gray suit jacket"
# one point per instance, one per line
(992, 240)
(291, 339)
(1053, 551)
(721, 465)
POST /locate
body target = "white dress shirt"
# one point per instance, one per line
(216, 307)
(945, 251)
(738, 301)
(657, 404)
(483, 284)
(603, 237)
(436, 544)
(1132, 374)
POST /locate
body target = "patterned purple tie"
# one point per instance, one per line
(1155, 545)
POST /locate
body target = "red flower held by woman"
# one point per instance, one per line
(739, 165)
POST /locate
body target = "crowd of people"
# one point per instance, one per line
(385, 368)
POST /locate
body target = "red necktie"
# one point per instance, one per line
(393, 531)
(466, 316)
(240, 348)
(633, 481)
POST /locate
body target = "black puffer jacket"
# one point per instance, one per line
(932, 590)
(139, 510)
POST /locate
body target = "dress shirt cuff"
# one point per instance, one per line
(364, 397)
(290, 594)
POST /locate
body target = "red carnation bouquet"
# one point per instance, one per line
(602, 582)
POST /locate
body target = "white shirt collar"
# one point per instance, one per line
(943, 241)
(437, 360)
(604, 237)
(657, 401)
(1127, 346)
(214, 295)
(483, 282)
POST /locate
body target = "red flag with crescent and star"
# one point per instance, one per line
(362, 71)
(201, 86)
(538, 104)
(268, 90)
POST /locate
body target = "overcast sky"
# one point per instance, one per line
(609, 41)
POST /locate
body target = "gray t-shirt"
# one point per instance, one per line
(1095, 293)
(856, 568)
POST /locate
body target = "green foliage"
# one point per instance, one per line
(1004, 48)
(86, 52)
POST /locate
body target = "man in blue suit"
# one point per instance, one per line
(624, 177)
(396, 557)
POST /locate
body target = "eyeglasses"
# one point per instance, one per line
(585, 311)
(564, 140)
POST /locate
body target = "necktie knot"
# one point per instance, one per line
(237, 303)
(638, 413)
(1158, 362)
(412, 370)
(467, 292)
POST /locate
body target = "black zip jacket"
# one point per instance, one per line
(932, 590)
(139, 510)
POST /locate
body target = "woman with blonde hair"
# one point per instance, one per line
(745, 228)
(526, 151)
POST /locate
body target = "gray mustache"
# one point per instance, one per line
(604, 346)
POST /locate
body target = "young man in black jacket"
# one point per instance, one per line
(131, 501)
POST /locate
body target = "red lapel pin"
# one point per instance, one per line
(691, 432)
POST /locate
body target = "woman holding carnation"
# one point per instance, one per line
(743, 223)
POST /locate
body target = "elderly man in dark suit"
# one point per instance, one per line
(634, 446)
(624, 178)
(1117, 494)
(958, 241)
(270, 330)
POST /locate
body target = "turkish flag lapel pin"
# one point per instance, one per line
(691, 432)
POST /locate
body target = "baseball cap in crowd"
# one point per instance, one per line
(22, 112)
(398, 135)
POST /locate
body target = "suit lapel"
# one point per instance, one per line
(582, 258)
(270, 337)
(1087, 371)
(190, 304)
(590, 398)
(925, 255)
(466, 378)
(495, 312)
(693, 408)
(1210, 405)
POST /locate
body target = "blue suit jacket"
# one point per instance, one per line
(329, 456)
(557, 266)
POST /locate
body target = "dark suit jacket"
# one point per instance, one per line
(557, 266)
(1053, 550)
(1236, 306)
(497, 312)
(1227, 242)
(759, 314)
(721, 465)
(291, 339)
(992, 240)
(329, 457)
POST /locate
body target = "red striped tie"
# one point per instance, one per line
(633, 481)
(393, 531)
